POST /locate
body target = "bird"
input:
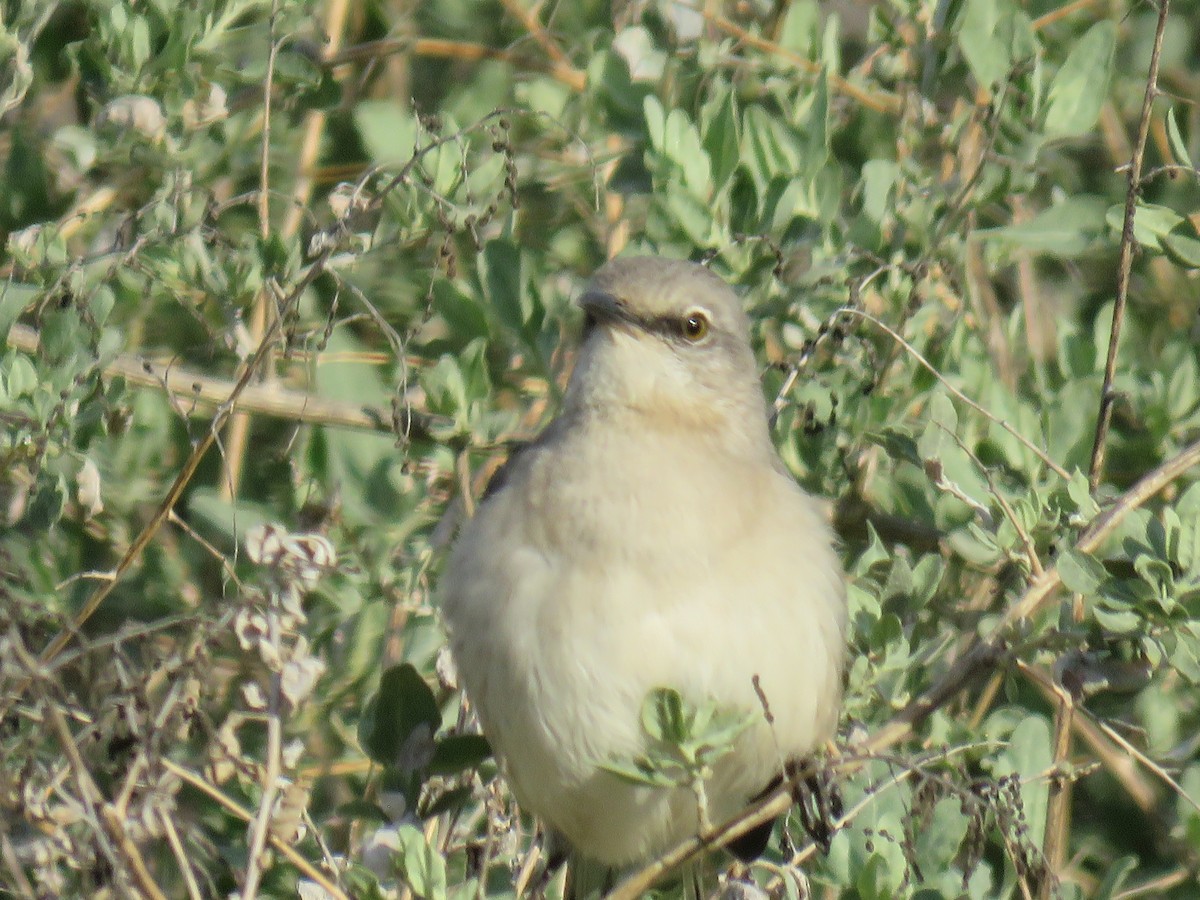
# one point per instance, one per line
(649, 538)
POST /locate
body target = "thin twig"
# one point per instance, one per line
(1035, 562)
(769, 807)
(986, 698)
(446, 49)
(1062, 12)
(238, 434)
(115, 827)
(1058, 806)
(101, 813)
(529, 19)
(20, 881)
(879, 101)
(1118, 763)
(306, 868)
(198, 394)
(1157, 887)
(1151, 765)
(176, 845)
(1125, 256)
(916, 354)
(990, 648)
(260, 828)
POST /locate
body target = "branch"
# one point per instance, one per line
(1061, 13)
(916, 354)
(221, 417)
(163, 512)
(880, 102)
(306, 868)
(437, 47)
(1125, 256)
(991, 648)
(529, 19)
(200, 394)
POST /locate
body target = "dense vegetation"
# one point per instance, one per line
(283, 281)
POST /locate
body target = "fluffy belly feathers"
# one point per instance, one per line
(559, 642)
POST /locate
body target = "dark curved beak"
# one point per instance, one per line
(601, 308)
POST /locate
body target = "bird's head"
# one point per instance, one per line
(669, 339)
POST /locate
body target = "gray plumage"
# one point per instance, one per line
(651, 537)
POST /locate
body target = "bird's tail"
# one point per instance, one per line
(588, 879)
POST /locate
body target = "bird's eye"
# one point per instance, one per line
(695, 326)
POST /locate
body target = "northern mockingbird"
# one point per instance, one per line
(650, 537)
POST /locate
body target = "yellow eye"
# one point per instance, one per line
(695, 326)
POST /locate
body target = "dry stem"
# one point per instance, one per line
(1125, 256)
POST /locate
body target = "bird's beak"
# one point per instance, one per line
(602, 308)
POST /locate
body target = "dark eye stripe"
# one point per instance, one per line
(665, 326)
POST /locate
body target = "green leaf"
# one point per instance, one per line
(1081, 85)
(1151, 222)
(1182, 245)
(878, 178)
(677, 142)
(1185, 652)
(944, 422)
(388, 130)
(1188, 547)
(1069, 229)
(1028, 755)
(801, 27)
(993, 35)
(1121, 621)
(874, 552)
(1080, 491)
(459, 752)
(138, 35)
(926, 576)
(656, 121)
(1175, 138)
(64, 338)
(815, 128)
(1080, 572)
(21, 377)
(14, 297)
(608, 74)
(663, 716)
(423, 866)
(46, 505)
(720, 126)
(769, 149)
(644, 770)
(502, 261)
(692, 215)
(715, 728)
(1115, 878)
(898, 444)
(403, 704)
(463, 313)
